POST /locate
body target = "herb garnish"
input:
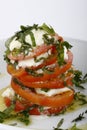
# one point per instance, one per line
(45, 89)
(59, 125)
(48, 40)
(60, 50)
(48, 29)
(74, 127)
(80, 97)
(80, 117)
(18, 82)
(79, 79)
(39, 59)
(48, 70)
(9, 113)
(33, 72)
(32, 39)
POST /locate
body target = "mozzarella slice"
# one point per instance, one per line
(38, 34)
(15, 44)
(9, 92)
(31, 62)
(52, 92)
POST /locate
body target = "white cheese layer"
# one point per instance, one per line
(31, 62)
(38, 35)
(65, 53)
(52, 92)
(9, 92)
(14, 44)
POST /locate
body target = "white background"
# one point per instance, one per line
(68, 17)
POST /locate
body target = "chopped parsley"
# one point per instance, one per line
(48, 29)
(33, 72)
(79, 79)
(48, 40)
(74, 127)
(80, 97)
(59, 125)
(9, 113)
(80, 117)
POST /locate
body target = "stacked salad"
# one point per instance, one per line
(40, 64)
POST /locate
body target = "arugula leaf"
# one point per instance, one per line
(48, 29)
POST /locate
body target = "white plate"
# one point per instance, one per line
(44, 122)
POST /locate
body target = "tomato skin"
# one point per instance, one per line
(52, 101)
(50, 84)
(36, 52)
(21, 71)
(11, 70)
(19, 106)
(53, 111)
(46, 111)
(7, 101)
(34, 111)
(57, 71)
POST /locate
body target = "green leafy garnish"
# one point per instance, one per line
(33, 72)
(45, 89)
(48, 40)
(74, 127)
(9, 113)
(80, 97)
(79, 79)
(39, 59)
(48, 29)
(59, 125)
(80, 117)
(67, 45)
(60, 51)
(32, 39)
(47, 70)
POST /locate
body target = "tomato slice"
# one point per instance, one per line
(57, 71)
(19, 106)
(7, 101)
(15, 72)
(50, 84)
(46, 111)
(21, 71)
(63, 99)
(34, 111)
(36, 52)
